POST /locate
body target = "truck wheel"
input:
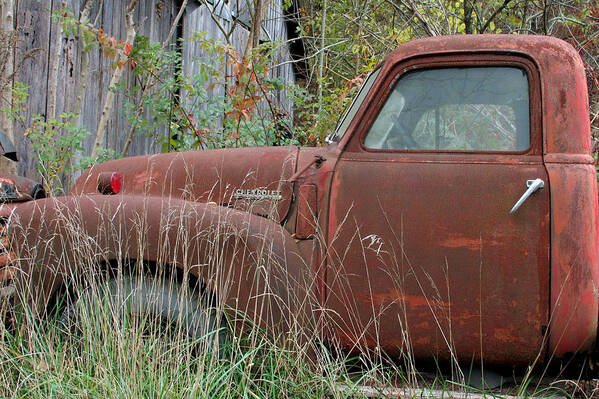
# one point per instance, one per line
(38, 192)
(159, 301)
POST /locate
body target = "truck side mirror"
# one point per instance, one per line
(7, 148)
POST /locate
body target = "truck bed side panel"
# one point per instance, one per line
(574, 254)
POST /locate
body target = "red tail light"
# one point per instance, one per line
(109, 183)
(115, 183)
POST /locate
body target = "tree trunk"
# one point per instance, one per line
(254, 37)
(546, 5)
(116, 79)
(323, 28)
(468, 17)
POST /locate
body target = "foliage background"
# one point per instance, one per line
(345, 39)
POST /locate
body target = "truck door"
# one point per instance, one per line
(428, 253)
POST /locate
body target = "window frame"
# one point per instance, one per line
(461, 61)
(334, 137)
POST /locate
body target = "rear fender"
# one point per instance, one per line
(249, 262)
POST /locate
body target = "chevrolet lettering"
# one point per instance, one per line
(258, 194)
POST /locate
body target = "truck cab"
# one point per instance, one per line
(463, 203)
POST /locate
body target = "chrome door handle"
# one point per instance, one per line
(533, 185)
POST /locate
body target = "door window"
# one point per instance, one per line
(455, 109)
(354, 106)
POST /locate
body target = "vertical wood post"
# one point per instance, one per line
(7, 25)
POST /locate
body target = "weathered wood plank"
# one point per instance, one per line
(277, 29)
(156, 28)
(33, 20)
(7, 9)
(93, 97)
(67, 82)
(198, 26)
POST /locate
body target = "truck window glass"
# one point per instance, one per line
(462, 109)
(353, 108)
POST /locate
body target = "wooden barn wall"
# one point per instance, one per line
(153, 19)
(276, 29)
(198, 20)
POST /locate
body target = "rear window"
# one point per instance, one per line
(455, 109)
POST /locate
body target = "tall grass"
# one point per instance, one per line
(121, 327)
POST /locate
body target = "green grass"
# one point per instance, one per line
(112, 353)
(109, 358)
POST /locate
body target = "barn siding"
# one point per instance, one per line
(274, 24)
(33, 19)
(199, 19)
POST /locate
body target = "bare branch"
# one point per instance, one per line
(494, 15)
(171, 32)
(226, 32)
(410, 5)
(323, 29)
(317, 53)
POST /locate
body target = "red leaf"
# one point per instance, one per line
(128, 48)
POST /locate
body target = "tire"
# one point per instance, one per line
(146, 298)
(38, 192)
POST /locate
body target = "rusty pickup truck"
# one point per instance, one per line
(453, 213)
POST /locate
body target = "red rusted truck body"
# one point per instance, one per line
(404, 226)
